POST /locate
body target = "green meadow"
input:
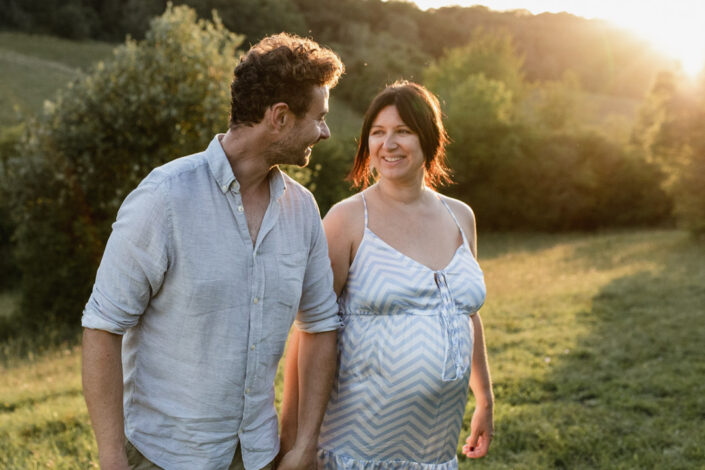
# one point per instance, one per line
(595, 344)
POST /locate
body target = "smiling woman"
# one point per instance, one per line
(409, 290)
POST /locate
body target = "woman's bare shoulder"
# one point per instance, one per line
(464, 213)
(346, 216)
(466, 219)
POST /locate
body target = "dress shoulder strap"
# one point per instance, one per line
(364, 203)
(462, 232)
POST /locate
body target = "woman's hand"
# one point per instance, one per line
(481, 433)
(296, 459)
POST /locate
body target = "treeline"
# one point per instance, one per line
(524, 154)
(378, 40)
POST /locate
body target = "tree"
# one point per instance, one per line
(155, 100)
(491, 54)
(669, 130)
(480, 115)
(253, 19)
(517, 160)
(10, 138)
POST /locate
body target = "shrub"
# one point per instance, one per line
(9, 271)
(669, 130)
(517, 160)
(155, 100)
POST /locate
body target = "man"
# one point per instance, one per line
(209, 261)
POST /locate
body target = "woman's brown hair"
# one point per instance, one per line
(421, 111)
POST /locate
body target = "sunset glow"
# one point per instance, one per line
(675, 27)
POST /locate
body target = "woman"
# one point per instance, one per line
(409, 288)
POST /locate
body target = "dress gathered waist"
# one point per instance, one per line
(419, 313)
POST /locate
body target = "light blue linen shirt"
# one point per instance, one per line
(204, 313)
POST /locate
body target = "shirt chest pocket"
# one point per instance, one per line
(291, 269)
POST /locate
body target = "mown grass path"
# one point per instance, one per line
(595, 345)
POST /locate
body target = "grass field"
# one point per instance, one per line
(34, 67)
(595, 344)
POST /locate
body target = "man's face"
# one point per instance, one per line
(307, 130)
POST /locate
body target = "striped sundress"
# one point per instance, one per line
(404, 362)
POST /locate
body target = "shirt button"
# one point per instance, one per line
(256, 300)
(240, 208)
(252, 348)
(247, 391)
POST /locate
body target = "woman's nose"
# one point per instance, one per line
(390, 142)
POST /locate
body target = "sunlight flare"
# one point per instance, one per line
(673, 27)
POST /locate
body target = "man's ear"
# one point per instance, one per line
(278, 116)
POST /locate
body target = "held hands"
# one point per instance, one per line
(296, 459)
(481, 433)
(117, 461)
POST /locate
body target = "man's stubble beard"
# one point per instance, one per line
(287, 152)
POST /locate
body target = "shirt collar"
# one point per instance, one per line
(277, 183)
(220, 166)
(223, 173)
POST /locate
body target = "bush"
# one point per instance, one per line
(155, 100)
(519, 162)
(580, 182)
(254, 20)
(669, 131)
(10, 138)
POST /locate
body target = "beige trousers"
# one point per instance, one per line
(138, 461)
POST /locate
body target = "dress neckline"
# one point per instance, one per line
(419, 263)
(463, 243)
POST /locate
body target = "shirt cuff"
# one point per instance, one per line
(328, 323)
(95, 321)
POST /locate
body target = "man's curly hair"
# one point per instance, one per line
(282, 68)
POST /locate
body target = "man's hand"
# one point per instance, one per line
(114, 462)
(297, 459)
(310, 373)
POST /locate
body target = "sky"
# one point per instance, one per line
(675, 27)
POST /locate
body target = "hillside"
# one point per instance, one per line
(34, 67)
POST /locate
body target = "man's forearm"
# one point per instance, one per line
(102, 388)
(290, 397)
(316, 365)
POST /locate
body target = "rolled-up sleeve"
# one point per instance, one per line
(135, 260)
(318, 309)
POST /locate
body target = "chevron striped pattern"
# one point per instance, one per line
(404, 362)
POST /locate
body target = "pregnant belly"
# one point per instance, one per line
(407, 356)
(390, 389)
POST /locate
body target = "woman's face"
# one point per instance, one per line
(395, 150)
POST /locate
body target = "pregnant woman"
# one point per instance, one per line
(409, 290)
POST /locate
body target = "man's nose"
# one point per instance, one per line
(325, 131)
